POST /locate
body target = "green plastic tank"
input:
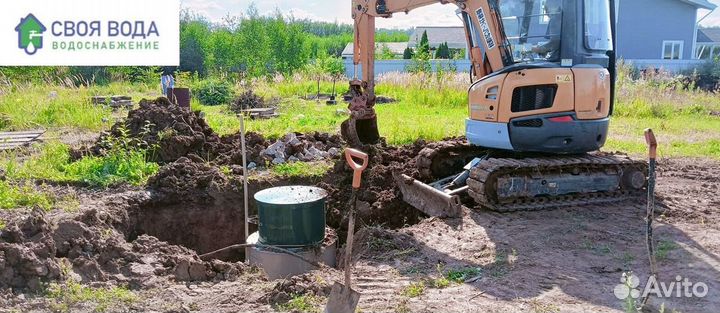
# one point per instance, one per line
(291, 215)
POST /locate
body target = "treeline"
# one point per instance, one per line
(250, 45)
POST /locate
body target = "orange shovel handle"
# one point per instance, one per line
(651, 142)
(357, 168)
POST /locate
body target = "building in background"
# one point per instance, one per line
(660, 33)
(708, 44)
(396, 48)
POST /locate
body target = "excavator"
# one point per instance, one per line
(541, 94)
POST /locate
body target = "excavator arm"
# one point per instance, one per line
(487, 44)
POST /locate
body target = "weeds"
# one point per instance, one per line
(3, 224)
(462, 274)
(302, 169)
(664, 247)
(414, 290)
(302, 303)
(23, 195)
(71, 293)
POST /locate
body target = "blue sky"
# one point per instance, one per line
(339, 10)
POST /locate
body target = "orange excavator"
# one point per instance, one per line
(541, 94)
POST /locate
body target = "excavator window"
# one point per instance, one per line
(598, 34)
(533, 29)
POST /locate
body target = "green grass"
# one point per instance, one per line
(302, 169)
(302, 303)
(51, 162)
(462, 274)
(65, 296)
(33, 106)
(663, 248)
(23, 195)
(414, 290)
(3, 224)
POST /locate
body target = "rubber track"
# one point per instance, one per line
(488, 171)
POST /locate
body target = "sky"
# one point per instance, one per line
(339, 10)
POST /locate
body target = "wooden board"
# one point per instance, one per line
(12, 140)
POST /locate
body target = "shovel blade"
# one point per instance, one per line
(342, 299)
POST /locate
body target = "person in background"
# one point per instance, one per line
(166, 81)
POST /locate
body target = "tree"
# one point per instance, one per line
(443, 51)
(408, 53)
(385, 53)
(424, 46)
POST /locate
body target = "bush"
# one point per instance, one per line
(212, 92)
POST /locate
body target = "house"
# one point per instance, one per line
(30, 31)
(397, 49)
(708, 44)
(453, 35)
(660, 33)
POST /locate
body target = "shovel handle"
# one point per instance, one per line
(651, 142)
(351, 153)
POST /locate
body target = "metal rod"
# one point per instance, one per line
(245, 176)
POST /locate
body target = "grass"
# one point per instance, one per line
(3, 224)
(664, 247)
(65, 296)
(462, 274)
(302, 169)
(51, 162)
(302, 303)
(414, 290)
(27, 106)
(23, 195)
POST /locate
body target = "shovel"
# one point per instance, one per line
(343, 299)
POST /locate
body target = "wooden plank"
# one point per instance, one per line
(28, 132)
(30, 136)
(9, 140)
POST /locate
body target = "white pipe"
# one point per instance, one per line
(245, 176)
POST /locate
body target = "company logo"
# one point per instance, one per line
(680, 288)
(30, 32)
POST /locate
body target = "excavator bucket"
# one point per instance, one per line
(358, 132)
(427, 199)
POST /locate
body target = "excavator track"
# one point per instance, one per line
(528, 184)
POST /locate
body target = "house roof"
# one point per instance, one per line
(30, 18)
(708, 35)
(396, 47)
(453, 35)
(703, 4)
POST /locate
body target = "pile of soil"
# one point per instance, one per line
(379, 200)
(174, 132)
(300, 285)
(247, 100)
(91, 249)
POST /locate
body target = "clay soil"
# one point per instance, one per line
(565, 260)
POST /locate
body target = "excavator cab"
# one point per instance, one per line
(550, 89)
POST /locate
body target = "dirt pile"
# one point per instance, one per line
(247, 100)
(172, 132)
(300, 285)
(92, 248)
(379, 200)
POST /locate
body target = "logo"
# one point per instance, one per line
(629, 287)
(30, 32)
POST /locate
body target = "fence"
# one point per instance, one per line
(386, 66)
(673, 66)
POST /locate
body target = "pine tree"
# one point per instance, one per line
(408, 53)
(424, 46)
